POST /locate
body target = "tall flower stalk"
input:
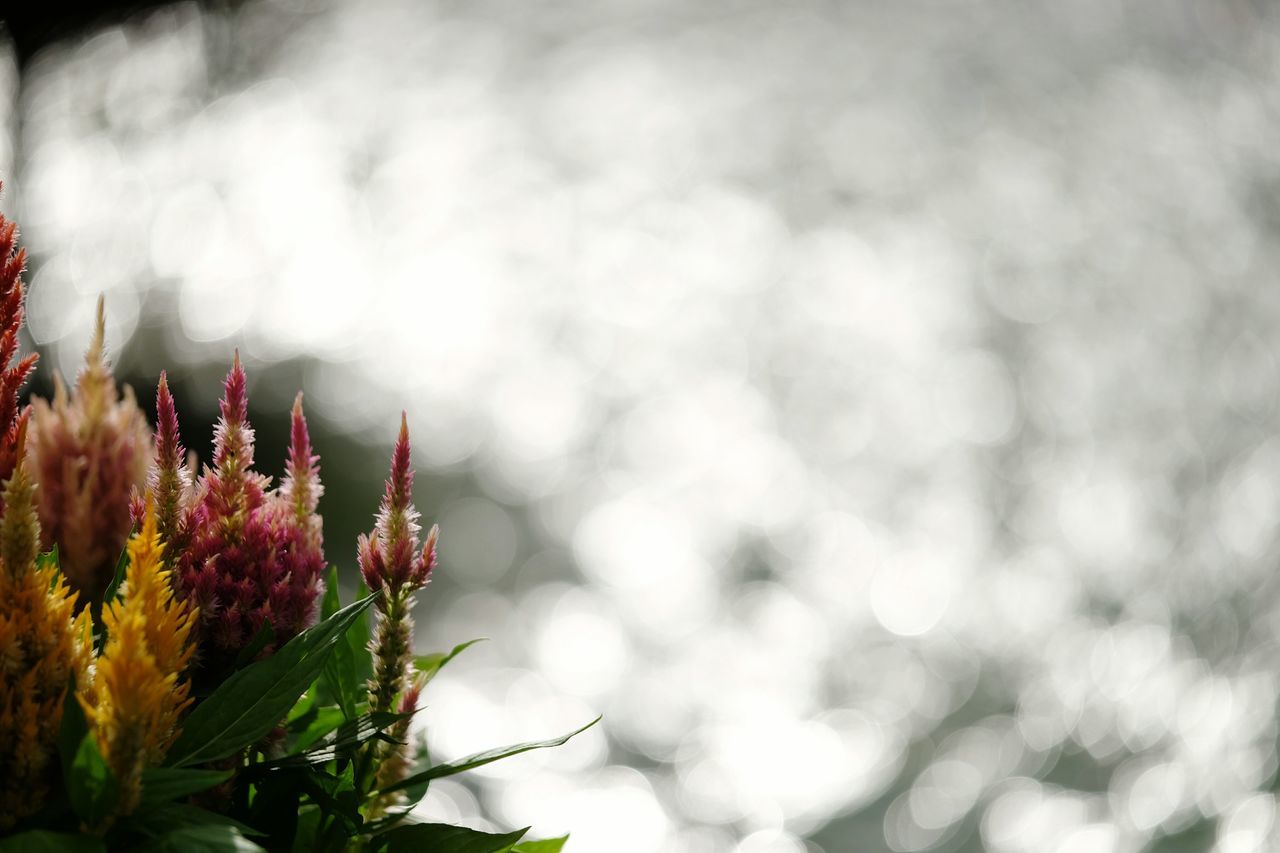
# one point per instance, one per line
(43, 644)
(392, 562)
(90, 450)
(139, 690)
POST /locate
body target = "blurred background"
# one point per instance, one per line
(870, 408)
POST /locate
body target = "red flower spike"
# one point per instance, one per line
(12, 376)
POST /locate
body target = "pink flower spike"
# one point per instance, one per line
(233, 438)
(389, 555)
(169, 480)
(400, 484)
(301, 486)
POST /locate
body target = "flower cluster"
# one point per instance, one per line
(244, 554)
(90, 451)
(210, 661)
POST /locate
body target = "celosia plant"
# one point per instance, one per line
(392, 565)
(221, 697)
(139, 688)
(43, 645)
(90, 451)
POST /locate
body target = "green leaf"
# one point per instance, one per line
(344, 680)
(162, 784)
(312, 726)
(344, 739)
(253, 700)
(442, 838)
(209, 838)
(482, 758)
(159, 822)
(546, 845)
(113, 588)
(429, 665)
(335, 795)
(72, 729)
(90, 785)
(44, 841)
(264, 635)
(49, 558)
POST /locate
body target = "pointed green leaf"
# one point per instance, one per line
(207, 838)
(482, 758)
(91, 787)
(43, 841)
(312, 726)
(429, 665)
(546, 845)
(122, 563)
(442, 838)
(72, 729)
(162, 784)
(164, 819)
(264, 635)
(253, 700)
(343, 739)
(344, 679)
(48, 559)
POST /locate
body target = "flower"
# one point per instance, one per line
(138, 691)
(243, 553)
(391, 562)
(43, 643)
(89, 451)
(12, 376)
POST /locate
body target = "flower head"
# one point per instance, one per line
(169, 481)
(12, 375)
(43, 642)
(138, 691)
(90, 450)
(389, 556)
(391, 561)
(248, 554)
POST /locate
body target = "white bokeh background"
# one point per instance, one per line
(872, 406)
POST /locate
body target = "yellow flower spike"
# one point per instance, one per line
(43, 642)
(138, 693)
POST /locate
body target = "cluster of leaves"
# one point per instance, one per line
(276, 757)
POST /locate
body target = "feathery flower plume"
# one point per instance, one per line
(248, 554)
(169, 481)
(42, 643)
(391, 561)
(90, 450)
(138, 691)
(12, 376)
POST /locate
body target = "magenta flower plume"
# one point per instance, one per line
(90, 450)
(13, 376)
(247, 554)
